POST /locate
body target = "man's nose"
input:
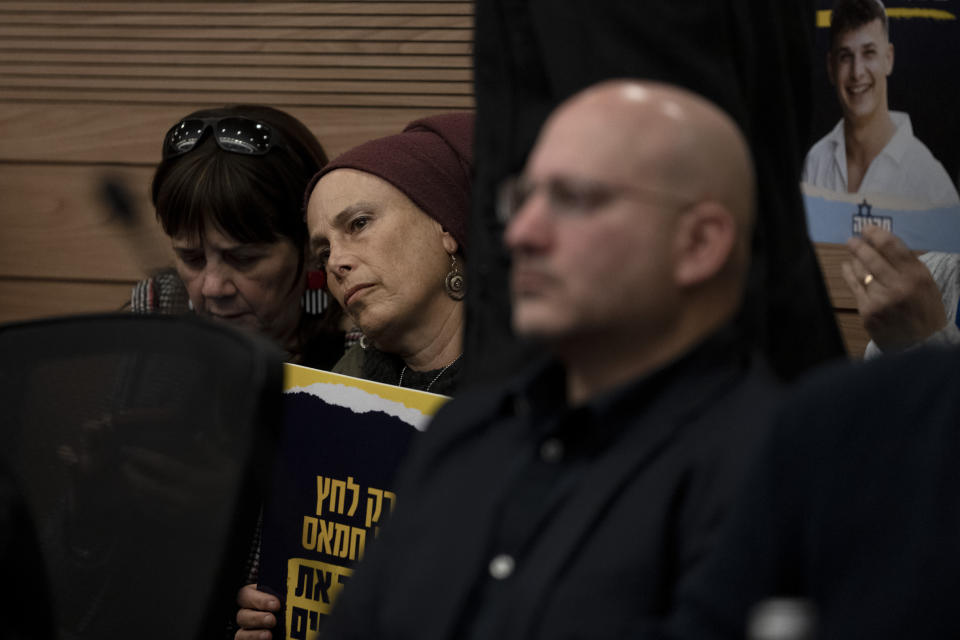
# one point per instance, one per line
(217, 281)
(532, 225)
(858, 66)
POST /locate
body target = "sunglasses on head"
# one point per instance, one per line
(235, 134)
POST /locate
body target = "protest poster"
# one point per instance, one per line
(342, 442)
(861, 83)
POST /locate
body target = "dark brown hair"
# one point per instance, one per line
(848, 15)
(250, 198)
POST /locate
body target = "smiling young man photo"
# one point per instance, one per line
(872, 150)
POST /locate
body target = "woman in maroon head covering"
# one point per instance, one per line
(387, 221)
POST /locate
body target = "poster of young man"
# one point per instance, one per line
(883, 153)
(881, 177)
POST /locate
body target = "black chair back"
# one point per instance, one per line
(139, 445)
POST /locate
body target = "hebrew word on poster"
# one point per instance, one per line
(834, 217)
(343, 440)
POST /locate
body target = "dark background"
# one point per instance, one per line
(924, 82)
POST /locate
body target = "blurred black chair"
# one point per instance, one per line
(139, 445)
(25, 607)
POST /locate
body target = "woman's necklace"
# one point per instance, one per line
(437, 377)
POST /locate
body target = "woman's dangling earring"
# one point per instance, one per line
(455, 283)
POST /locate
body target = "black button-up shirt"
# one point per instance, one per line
(552, 452)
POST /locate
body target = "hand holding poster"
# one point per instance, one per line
(884, 156)
(342, 443)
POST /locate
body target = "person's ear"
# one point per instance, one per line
(450, 244)
(706, 234)
(831, 73)
(889, 58)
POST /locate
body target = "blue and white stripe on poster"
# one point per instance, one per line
(834, 217)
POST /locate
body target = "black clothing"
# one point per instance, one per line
(387, 368)
(751, 57)
(592, 512)
(27, 608)
(322, 349)
(854, 503)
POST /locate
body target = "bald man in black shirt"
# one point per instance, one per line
(571, 498)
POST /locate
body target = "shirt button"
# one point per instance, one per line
(551, 450)
(501, 567)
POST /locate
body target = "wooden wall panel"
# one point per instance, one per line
(56, 225)
(205, 34)
(86, 134)
(831, 257)
(243, 61)
(158, 47)
(226, 9)
(172, 72)
(28, 299)
(855, 337)
(275, 98)
(173, 43)
(87, 89)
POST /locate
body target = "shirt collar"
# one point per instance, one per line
(901, 137)
(541, 395)
(839, 150)
(894, 149)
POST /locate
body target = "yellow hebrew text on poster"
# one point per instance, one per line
(312, 588)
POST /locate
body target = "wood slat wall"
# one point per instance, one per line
(87, 90)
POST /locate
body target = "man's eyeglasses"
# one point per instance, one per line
(573, 198)
(235, 134)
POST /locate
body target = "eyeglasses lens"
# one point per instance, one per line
(513, 194)
(509, 199)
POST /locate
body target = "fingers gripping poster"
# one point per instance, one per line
(342, 443)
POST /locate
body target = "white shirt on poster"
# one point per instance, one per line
(905, 168)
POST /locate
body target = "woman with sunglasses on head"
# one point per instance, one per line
(228, 192)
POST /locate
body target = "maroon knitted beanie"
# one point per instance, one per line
(431, 162)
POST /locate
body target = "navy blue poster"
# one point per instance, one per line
(342, 443)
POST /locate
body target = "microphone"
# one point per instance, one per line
(162, 291)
